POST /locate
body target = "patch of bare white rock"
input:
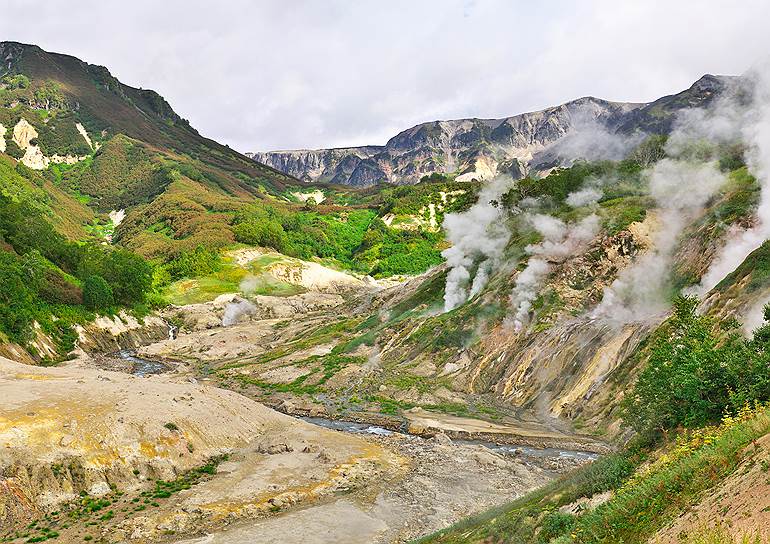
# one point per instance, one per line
(24, 133)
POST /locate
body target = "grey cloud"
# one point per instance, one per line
(272, 74)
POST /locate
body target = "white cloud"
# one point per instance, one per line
(273, 74)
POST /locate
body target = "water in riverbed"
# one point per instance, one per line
(507, 449)
(142, 367)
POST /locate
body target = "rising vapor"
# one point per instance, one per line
(478, 236)
(753, 122)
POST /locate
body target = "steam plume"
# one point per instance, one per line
(755, 124)
(592, 140)
(681, 189)
(235, 310)
(560, 241)
(478, 238)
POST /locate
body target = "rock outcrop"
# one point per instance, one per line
(25, 136)
(529, 143)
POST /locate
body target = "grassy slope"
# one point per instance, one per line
(649, 489)
(106, 104)
(228, 280)
(65, 212)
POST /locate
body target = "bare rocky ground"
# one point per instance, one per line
(83, 448)
(444, 482)
(112, 448)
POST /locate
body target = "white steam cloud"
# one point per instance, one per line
(681, 190)
(755, 317)
(753, 122)
(590, 139)
(560, 241)
(478, 236)
(235, 310)
(584, 197)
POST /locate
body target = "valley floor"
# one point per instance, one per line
(142, 436)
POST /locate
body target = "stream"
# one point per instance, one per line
(507, 449)
(145, 367)
(141, 367)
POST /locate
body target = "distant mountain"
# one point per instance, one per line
(481, 148)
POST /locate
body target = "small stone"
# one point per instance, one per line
(442, 438)
(99, 489)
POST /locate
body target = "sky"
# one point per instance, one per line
(285, 74)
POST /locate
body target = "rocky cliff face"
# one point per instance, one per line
(482, 148)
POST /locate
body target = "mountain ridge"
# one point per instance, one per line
(106, 104)
(480, 148)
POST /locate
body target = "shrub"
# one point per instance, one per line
(697, 371)
(554, 525)
(57, 290)
(189, 264)
(18, 81)
(16, 299)
(12, 149)
(97, 294)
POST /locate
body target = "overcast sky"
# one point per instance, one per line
(283, 74)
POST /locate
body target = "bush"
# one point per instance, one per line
(129, 275)
(12, 149)
(554, 525)
(16, 299)
(97, 294)
(190, 264)
(265, 233)
(18, 81)
(697, 371)
(57, 290)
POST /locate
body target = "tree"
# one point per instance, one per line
(650, 151)
(698, 368)
(129, 275)
(16, 299)
(18, 81)
(261, 232)
(49, 95)
(97, 294)
(190, 264)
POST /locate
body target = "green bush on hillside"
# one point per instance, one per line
(12, 149)
(16, 299)
(97, 294)
(41, 272)
(697, 371)
(189, 264)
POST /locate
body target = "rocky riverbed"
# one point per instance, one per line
(444, 482)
